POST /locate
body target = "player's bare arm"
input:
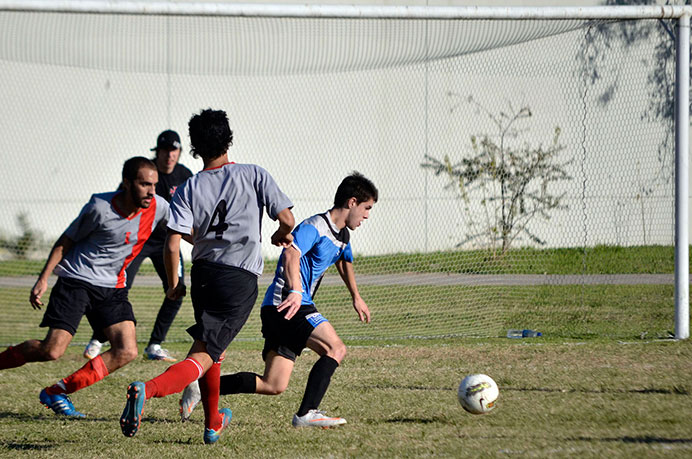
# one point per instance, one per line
(188, 237)
(59, 250)
(283, 237)
(349, 277)
(171, 254)
(291, 263)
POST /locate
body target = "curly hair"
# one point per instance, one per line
(210, 134)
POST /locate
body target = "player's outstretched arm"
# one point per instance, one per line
(283, 237)
(59, 250)
(349, 277)
(171, 257)
(291, 264)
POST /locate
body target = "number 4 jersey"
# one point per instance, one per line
(222, 208)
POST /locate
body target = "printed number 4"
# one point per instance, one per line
(221, 226)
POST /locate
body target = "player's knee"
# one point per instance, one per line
(272, 387)
(276, 389)
(125, 355)
(338, 352)
(50, 352)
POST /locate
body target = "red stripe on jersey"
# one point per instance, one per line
(218, 167)
(146, 222)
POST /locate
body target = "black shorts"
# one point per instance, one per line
(288, 337)
(71, 299)
(222, 298)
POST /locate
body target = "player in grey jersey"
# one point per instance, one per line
(221, 207)
(90, 259)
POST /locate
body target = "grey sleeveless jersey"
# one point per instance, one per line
(105, 241)
(222, 207)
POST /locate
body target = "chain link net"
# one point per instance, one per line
(518, 162)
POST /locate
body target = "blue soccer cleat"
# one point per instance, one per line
(212, 436)
(132, 414)
(60, 404)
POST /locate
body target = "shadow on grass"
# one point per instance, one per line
(398, 387)
(651, 390)
(674, 391)
(25, 446)
(49, 416)
(432, 420)
(643, 439)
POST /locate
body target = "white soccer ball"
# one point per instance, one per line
(478, 393)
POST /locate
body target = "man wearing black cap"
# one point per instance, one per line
(171, 174)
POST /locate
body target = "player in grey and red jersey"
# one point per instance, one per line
(171, 175)
(90, 259)
(221, 207)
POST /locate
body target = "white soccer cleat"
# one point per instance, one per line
(316, 418)
(155, 352)
(191, 397)
(92, 349)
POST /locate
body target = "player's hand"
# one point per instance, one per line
(362, 309)
(291, 304)
(37, 292)
(176, 292)
(282, 240)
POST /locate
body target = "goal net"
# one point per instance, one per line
(525, 168)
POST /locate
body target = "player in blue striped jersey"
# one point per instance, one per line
(290, 320)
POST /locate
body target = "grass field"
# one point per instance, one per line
(602, 382)
(594, 260)
(558, 398)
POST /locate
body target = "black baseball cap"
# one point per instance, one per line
(167, 140)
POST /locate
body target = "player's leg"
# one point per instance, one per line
(274, 381)
(123, 350)
(69, 300)
(327, 344)
(110, 311)
(66, 306)
(95, 344)
(173, 380)
(222, 302)
(123, 339)
(52, 347)
(169, 309)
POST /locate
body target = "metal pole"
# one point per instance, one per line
(346, 11)
(682, 128)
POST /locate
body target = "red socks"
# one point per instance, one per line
(94, 371)
(13, 357)
(174, 379)
(209, 389)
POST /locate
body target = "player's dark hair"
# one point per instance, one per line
(355, 186)
(210, 134)
(133, 165)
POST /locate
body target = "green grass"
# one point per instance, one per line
(558, 398)
(564, 311)
(600, 383)
(593, 260)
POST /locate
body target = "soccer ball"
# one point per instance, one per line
(478, 393)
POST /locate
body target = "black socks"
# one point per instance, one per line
(238, 383)
(318, 382)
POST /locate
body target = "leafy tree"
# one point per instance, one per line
(512, 180)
